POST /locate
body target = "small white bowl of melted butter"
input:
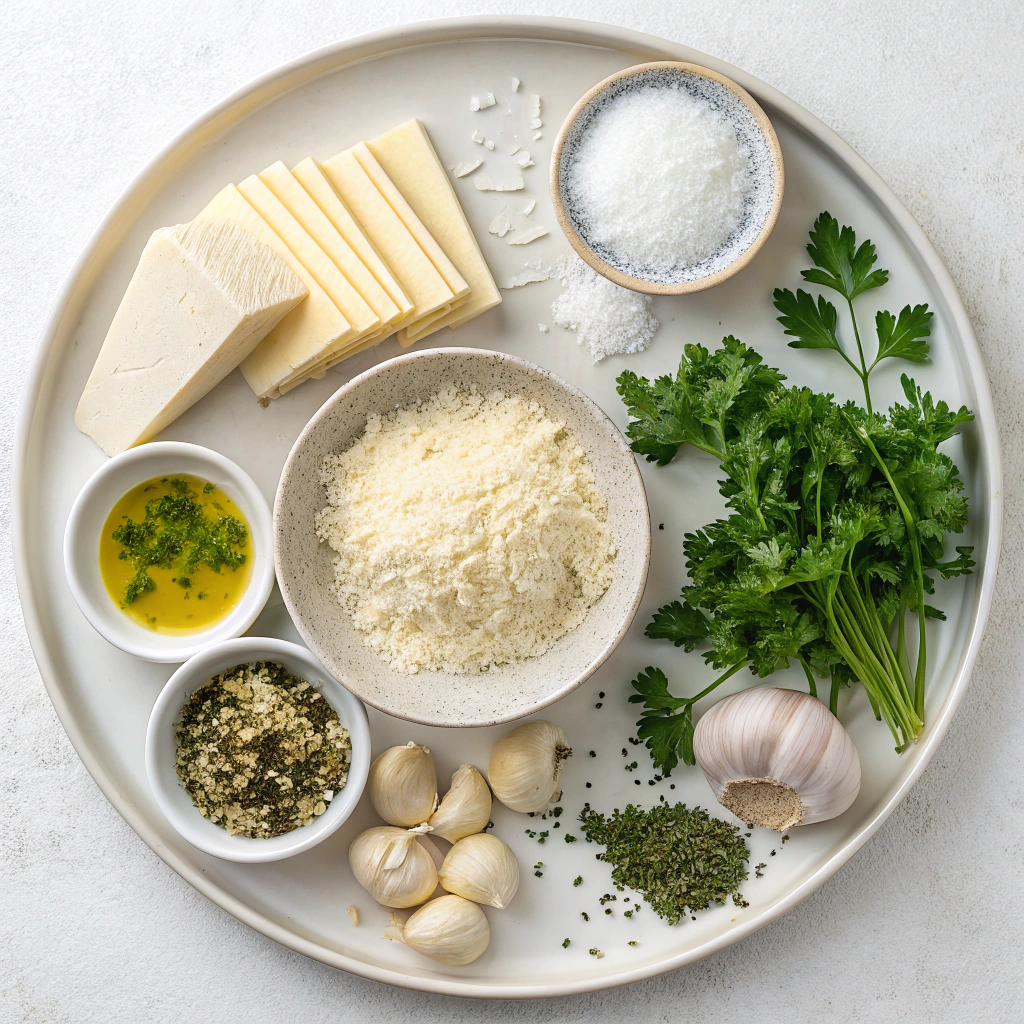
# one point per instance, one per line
(168, 548)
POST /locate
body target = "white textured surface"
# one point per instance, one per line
(925, 924)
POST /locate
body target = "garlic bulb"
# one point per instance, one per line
(403, 785)
(466, 808)
(392, 866)
(525, 766)
(777, 758)
(481, 868)
(450, 930)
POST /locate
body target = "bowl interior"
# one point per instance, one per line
(753, 131)
(161, 748)
(305, 566)
(86, 523)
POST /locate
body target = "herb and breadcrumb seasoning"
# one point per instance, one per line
(260, 751)
(679, 859)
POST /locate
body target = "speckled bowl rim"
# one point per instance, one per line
(601, 418)
(638, 284)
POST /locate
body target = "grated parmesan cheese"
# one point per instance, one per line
(468, 532)
(608, 320)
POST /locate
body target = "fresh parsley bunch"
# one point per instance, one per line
(838, 514)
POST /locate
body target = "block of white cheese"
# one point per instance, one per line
(407, 157)
(321, 191)
(311, 329)
(364, 322)
(301, 205)
(418, 276)
(202, 297)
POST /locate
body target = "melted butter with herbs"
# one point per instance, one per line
(176, 554)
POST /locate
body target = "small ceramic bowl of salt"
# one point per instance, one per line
(667, 178)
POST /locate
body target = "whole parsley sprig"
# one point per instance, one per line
(839, 264)
(837, 515)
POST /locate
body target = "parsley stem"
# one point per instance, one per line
(812, 686)
(910, 520)
(718, 682)
(863, 371)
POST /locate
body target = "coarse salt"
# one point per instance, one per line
(608, 320)
(659, 178)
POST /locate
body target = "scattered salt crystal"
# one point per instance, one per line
(534, 106)
(608, 320)
(489, 144)
(530, 207)
(659, 179)
(543, 328)
(523, 159)
(481, 102)
(477, 137)
(514, 150)
(515, 84)
(536, 123)
(462, 168)
(537, 136)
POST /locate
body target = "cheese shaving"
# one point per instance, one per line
(528, 236)
(468, 532)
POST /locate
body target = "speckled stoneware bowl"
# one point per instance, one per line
(305, 566)
(761, 206)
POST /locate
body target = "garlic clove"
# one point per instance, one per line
(392, 865)
(403, 785)
(481, 868)
(466, 808)
(777, 758)
(450, 930)
(525, 766)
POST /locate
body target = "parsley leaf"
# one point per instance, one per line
(839, 264)
(813, 326)
(905, 337)
(683, 625)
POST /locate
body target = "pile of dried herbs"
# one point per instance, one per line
(679, 858)
(260, 751)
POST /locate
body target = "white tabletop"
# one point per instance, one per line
(925, 924)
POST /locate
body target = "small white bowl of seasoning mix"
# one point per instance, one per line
(168, 548)
(667, 178)
(254, 752)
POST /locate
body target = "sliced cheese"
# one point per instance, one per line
(301, 205)
(409, 160)
(202, 297)
(362, 319)
(312, 179)
(313, 327)
(419, 278)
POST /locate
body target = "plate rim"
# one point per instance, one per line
(332, 57)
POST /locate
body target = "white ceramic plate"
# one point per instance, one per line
(316, 106)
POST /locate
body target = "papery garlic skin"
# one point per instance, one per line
(525, 766)
(450, 930)
(777, 758)
(481, 868)
(403, 785)
(392, 866)
(466, 807)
